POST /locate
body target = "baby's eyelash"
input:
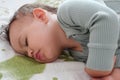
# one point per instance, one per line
(26, 42)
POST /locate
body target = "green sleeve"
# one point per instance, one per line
(102, 23)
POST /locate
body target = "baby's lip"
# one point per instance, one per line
(39, 56)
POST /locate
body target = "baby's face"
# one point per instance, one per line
(34, 39)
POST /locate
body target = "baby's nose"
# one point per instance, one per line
(30, 52)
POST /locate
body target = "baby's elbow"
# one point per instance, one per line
(96, 73)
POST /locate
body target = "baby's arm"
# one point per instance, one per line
(95, 73)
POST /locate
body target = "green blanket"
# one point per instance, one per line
(21, 68)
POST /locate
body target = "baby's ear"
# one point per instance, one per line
(40, 14)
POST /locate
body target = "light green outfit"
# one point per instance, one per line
(95, 26)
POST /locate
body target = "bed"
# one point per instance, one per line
(17, 67)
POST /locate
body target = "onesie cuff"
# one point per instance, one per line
(100, 59)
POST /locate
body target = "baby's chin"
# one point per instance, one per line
(47, 60)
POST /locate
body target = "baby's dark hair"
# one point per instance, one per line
(27, 10)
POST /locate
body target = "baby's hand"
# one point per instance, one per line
(115, 75)
(74, 45)
(78, 47)
(104, 78)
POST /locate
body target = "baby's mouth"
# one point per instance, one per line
(39, 56)
(43, 59)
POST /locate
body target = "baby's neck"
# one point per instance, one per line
(64, 42)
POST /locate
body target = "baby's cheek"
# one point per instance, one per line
(50, 55)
